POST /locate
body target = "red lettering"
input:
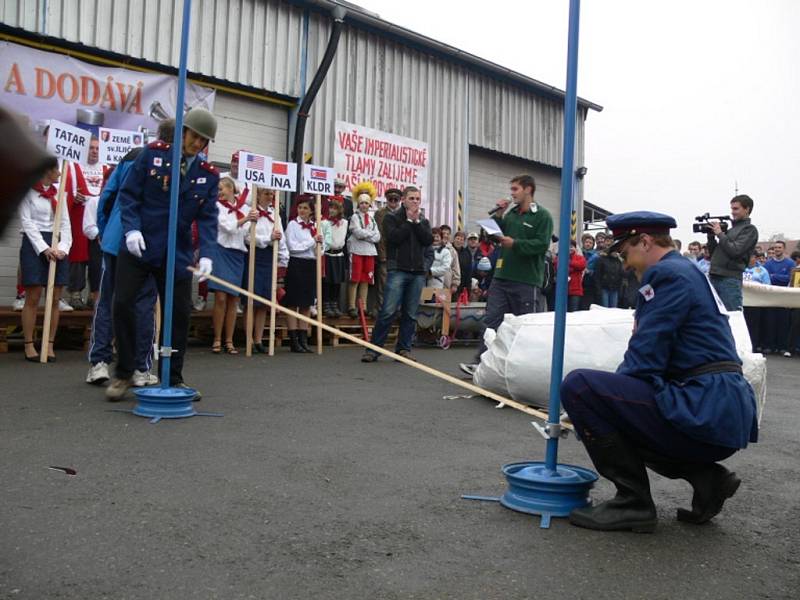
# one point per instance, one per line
(74, 88)
(90, 91)
(44, 76)
(108, 101)
(15, 80)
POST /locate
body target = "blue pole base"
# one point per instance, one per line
(537, 490)
(164, 403)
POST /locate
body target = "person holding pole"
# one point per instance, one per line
(302, 238)
(144, 208)
(335, 229)
(268, 230)
(408, 234)
(678, 404)
(233, 219)
(37, 214)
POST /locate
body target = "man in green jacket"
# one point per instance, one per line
(519, 273)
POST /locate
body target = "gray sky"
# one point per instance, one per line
(696, 95)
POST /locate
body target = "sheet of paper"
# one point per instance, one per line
(490, 226)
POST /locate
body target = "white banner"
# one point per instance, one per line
(284, 176)
(116, 143)
(68, 142)
(318, 180)
(44, 85)
(255, 168)
(385, 159)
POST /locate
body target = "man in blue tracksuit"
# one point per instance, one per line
(678, 403)
(110, 225)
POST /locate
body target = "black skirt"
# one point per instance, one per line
(300, 283)
(335, 269)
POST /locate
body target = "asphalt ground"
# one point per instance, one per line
(329, 478)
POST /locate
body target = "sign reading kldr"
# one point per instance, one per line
(318, 180)
(255, 169)
(68, 142)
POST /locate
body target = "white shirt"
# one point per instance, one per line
(90, 229)
(300, 241)
(229, 233)
(36, 215)
(264, 228)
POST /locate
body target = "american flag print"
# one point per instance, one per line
(254, 161)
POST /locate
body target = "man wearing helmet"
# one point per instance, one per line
(144, 200)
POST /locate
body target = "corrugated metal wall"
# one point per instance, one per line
(252, 42)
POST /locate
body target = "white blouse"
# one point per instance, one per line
(229, 233)
(300, 241)
(36, 215)
(264, 229)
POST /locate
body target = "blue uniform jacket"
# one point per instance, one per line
(679, 327)
(144, 206)
(111, 229)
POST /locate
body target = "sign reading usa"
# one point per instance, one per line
(283, 177)
(255, 168)
(318, 180)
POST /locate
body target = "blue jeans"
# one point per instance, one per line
(729, 290)
(402, 291)
(609, 298)
(100, 344)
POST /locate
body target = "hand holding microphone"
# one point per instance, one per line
(501, 205)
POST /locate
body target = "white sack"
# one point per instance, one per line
(518, 359)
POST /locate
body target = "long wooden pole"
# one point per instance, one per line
(251, 279)
(318, 216)
(380, 350)
(51, 273)
(274, 285)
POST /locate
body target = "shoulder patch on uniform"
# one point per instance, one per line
(209, 167)
(158, 145)
(647, 292)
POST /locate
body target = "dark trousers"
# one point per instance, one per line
(601, 403)
(775, 332)
(794, 332)
(132, 275)
(77, 270)
(753, 316)
(509, 297)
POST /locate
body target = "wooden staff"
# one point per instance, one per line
(251, 281)
(51, 273)
(274, 285)
(406, 361)
(318, 216)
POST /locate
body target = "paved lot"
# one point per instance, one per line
(328, 478)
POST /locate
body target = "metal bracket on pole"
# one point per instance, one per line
(551, 430)
(166, 351)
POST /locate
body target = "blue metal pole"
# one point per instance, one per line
(567, 192)
(177, 151)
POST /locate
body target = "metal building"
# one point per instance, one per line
(483, 123)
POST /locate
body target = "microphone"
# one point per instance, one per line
(496, 209)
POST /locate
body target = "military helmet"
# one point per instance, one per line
(202, 122)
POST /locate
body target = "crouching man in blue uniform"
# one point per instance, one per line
(144, 201)
(678, 404)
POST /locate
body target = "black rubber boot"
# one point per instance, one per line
(632, 509)
(302, 339)
(294, 342)
(711, 482)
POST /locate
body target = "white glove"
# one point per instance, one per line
(203, 269)
(91, 232)
(135, 243)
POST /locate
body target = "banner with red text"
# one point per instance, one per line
(45, 85)
(385, 159)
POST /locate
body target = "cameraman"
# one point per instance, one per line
(730, 251)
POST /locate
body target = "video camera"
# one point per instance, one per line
(703, 224)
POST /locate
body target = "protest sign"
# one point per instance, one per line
(116, 143)
(283, 176)
(318, 180)
(68, 142)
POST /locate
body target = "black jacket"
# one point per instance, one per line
(608, 271)
(406, 242)
(730, 255)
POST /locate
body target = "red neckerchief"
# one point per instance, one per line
(266, 215)
(366, 218)
(231, 208)
(335, 220)
(242, 198)
(49, 193)
(308, 225)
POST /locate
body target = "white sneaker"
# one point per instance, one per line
(143, 378)
(98, 374)
(239, 309)
(468, 368)
(200, 305)
(64, 306)
(18, 304)
(787, 354)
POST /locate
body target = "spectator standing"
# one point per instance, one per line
(704, 262)
(589, 249)
(440, 268)
(408, 234)
(392, 196)
(519, 271)
(464, 261)
(695, 251)
(608, 272)
(753, 315)
(794, 331)
(364, 235)
(453, 279)
(577, 264)
(730, 252)
(777, 320)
